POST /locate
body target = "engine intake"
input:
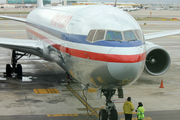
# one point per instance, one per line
(157, 60)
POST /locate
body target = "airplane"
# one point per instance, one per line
(100, 46)
(129, 9)
(126, 8)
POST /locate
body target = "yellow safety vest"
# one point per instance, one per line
(128, 107)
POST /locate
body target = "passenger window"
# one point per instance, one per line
(99, 35)
(90, 35)
(113, 35)
(138, 34)
(129, 35)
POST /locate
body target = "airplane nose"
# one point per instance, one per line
(125, 63)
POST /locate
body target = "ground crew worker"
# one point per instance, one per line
(140, 111)
(128, 108)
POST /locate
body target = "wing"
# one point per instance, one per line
(149, 36)
(13, 18)
(23, 45)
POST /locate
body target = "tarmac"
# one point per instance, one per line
(142, 13)
(45, 95)
(155, 13)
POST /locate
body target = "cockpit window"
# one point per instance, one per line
(109, 35)
(91, 35)
(138, 34)
(113, 35)
(129, 35)
(99, 35)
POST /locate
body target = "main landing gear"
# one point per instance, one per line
(16, 68)
(110, 110)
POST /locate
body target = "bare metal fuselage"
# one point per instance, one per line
(62, 33)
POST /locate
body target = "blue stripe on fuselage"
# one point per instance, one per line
(82, 38)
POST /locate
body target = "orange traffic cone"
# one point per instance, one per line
(161, 86)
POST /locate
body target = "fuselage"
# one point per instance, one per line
(99, 45)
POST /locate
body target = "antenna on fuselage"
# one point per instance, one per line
(39, 3)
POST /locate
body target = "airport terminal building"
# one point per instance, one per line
(6, 4)
(27, 1)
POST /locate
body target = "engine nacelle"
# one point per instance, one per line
(157, 59)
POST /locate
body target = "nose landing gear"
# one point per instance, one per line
(110, 111)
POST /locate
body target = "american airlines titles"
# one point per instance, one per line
(60, 20)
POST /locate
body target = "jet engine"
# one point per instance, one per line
(157, 59)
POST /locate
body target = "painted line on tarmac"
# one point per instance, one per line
(120, 113)
(90, 90)
(12, 30)
(46, 91)
(61, 115)
(82, 101)
(146, 118)
(69, 90)
(175, 36)
(74, 93)
(83, 109)
(12, 24)
(20, 37)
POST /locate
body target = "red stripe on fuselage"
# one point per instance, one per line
(126, 58)
(92, 55)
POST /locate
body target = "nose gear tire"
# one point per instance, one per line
(103, 115)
